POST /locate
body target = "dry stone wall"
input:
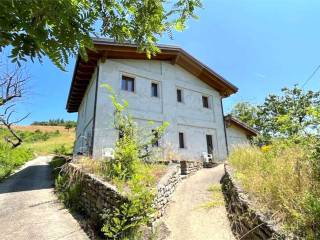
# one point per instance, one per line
(189, 167)
(246, 222)
(166, 187)
(97, 195)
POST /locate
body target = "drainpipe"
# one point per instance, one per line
(94, 110)
(224, 127)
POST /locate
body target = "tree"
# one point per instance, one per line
(245, 112)
(68, 125)
(12, 87)
(63, 28)
(294, 113)
(134, 144)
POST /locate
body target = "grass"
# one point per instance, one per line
(279, 180)
(152, 171)
(65, 138)
(217, 198)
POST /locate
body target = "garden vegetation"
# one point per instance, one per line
(282, 172)
(12, 158)
(131, 170)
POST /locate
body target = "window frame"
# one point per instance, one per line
(207, 105)
(157, 89)
(127, 78)
(181, 95)
(182, 144)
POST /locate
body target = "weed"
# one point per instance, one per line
(281, 178)
(217, 198)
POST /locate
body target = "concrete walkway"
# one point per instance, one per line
(30, 210)
(187, 219)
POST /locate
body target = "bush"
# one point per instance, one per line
(31, 137)
(280, 179)
(56, 163)
(11, 158)
(68, 192)
(125, 221)
(129, 169)
(60, 150)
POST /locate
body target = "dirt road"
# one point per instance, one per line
(187, 219)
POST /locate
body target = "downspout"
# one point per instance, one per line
(224, 127)
(94, 110)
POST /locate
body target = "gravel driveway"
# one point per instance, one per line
(30, 210)
(186, 219)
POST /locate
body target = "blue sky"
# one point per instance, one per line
(260, 46)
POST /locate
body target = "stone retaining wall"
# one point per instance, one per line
(97, 195)
(246, 222)
(189, 167)
(166, 187)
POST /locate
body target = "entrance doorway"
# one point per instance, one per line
(209, 144)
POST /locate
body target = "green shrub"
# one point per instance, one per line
(60, 150)
(68, 191)
(124, 222)
(11, 158)
(56, 163)
(129, 169)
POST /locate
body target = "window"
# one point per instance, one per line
(127, 84)
(154, 89)
(179, 95)
(181, 140)
(156, 142)
(205, 102)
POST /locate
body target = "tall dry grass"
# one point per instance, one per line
(278, 179)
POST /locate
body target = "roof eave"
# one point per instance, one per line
(126, 50)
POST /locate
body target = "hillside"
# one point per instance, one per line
(64, 138)
(43, 140)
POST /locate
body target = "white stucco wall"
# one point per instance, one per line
(236, 136)
(85, 119)
(189, 117)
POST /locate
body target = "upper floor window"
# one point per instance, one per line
(154, 90)
(179, 95)
(205, 101)
(127, 84)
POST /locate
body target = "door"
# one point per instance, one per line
(209, 144)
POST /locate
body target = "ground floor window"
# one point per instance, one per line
(181, 140)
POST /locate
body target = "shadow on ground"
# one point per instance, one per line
(28, 179)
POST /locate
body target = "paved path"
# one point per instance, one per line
(187, 220)
(30, 210)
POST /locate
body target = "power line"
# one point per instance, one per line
(311, 76)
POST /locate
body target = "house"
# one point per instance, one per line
(238, 132)
(172, 86)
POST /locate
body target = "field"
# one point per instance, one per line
(65, 138)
